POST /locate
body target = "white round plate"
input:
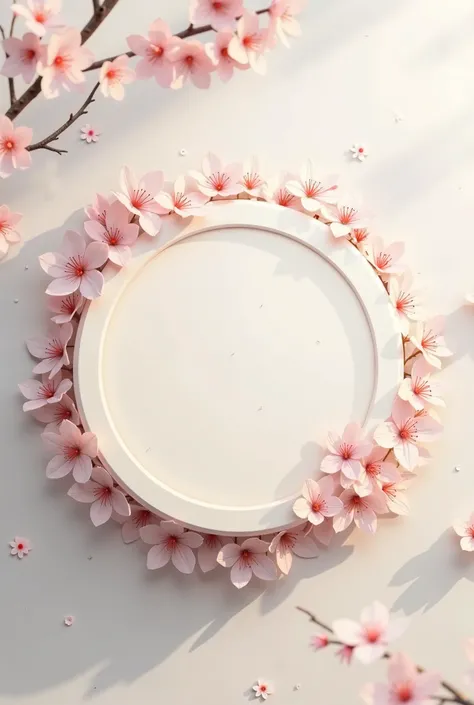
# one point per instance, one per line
(214, 365)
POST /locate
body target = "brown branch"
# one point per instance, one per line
(96, 5)
(44, 144)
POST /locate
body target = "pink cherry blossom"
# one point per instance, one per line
(170, 541)
(219, 15)
(20, 547)
(155, 53)
(386, 258)
(282, 19)
(465, 529)
(219, 54)
(89, 134)
(99, 208)
(51, 349)
(262, 689)
(54, 414)
(370, 637)
(275, 191)
(249, 44)
(139, 196)
(48, 391)
(346, 452)
(208, 551)
(117, 233)
(341, 219)
(318, 501)
(395, 497)
(76, 267)
(190, 60)
(114, 75)
(22, 56)
(247, 559)
(101, 494)
(405, 685)
(360, 510)
(319, 641)
(217, 179)
(419, 390)
(40, 15)
(405, 301)
(292, 541)
(73, 452)
(139, 517)
(13, 144)
(360, 235)
(428, 339)
(65, 307)
(252, 181)
(69, 620)
(375, 472)
(404, 431)
(345, 654)
(64, 63)
(8, 233)
(182, 197)
(312, 194)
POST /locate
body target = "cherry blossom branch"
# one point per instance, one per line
(11, 81)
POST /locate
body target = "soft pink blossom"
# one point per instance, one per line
(429, 340)
(395, 497)
(318, 501)
(182, 197)
(219, 15)
(101, 494)
(465, 529)
(312, 194)
(405, 685)
(219, 54)
(405, 301)
(65, 307)
(51, 349)
(360, 510)
(69, 620)
(9, 235)
(97, 211)
(360, 235)
(170, 541)
(155, 52)
(54, 414)
(249, 44)
(64, 63)
(371, 636)
(247, 559)
(386, 258)
(20, 547)
(76, 267)
(190, 60)
(48, 391)
(262, 689)
(114, 75)
(73, 452)
(208, 551)
(341, 219)
(117, 233)
(139, 196)
(404, 431)
(282, 19)
(376, 471)
(345, 654)
(139, 517)
(319, 641)
(252, 181)
(418, 389)
(40, 15)
(292, 541)
(276, 191)
(216, 178)
(22, 56)
(359, 152)
(346, 451)
(89, 134)
(13, 144)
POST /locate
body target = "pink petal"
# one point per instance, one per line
(407, 455)
(183, 558)
(157, 557)
(343, 520)
(191, 539)
(368, 653)
(82, 470)
(151, 533)
(70, 433)
(151, 223)
(229, 554)
(90, 448)
(376, 613)
(306, 548)
(333, 507)
(120, 504)
(58, 467)
(467, 543)
(100, 512)
(96, 255)
(63, 286)
(255, 545)
(386, 434)
(30, 388)
(83, 493)
(396, 627)
(331, 464)
(284, 559)
(207, 557)
(264, 568)
(301, 508)
(347, 631)
(366, 520)
(240, 574)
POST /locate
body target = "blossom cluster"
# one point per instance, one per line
(362, 476)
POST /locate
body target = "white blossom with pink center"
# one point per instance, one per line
(89, 134)
(360, 510)
(139, 196)
(312, 194)
(117, 233)
(340, 219)
(51, 349)
(405, 685)
(219, 54)
(9, 235)
(20, 547)
(73, 452)
(40, 15)
(190, 60)
(220, 14)
(208, 551)
(252, 181)
(249, 44)
(13, 144)
(419, 389)
(54, 414)
(22, 56)
(318, 501)
(65, 307)
(429, 340)
(64, 63)
(386, 258)
(405, 301)
(346, 452)
(182, 198)
(48, 391)
(170, 542)
(276, 191)
(404, 431)
(360, 236)
(376, 471)
(292, 541)
(155, 52)
(102, 495)
(370, 636)
(465, 529)
(114, 75)
(99, 208)
(282, 19)
(76, 267)
(262, 689)
(247, 559)
(139, 517)
(217, 179)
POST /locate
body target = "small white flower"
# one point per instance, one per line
(359, 151)
(69, 620)
(20, 547)
(89, 134)
(262, 689)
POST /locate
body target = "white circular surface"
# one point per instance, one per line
(212, 370)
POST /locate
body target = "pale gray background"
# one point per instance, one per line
(158, 636)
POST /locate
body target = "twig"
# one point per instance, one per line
(2, 32)
(96, 5)
(44, 144)
(11, 81)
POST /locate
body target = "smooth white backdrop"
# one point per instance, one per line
(150, 636)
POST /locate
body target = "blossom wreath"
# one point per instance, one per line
(361, 477)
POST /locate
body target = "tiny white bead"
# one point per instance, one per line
(15, 301)
(26, 267)
(182, 152)
(457, 468)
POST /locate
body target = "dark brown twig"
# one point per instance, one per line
(96, 5)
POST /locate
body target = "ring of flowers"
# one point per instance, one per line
(361, 477)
